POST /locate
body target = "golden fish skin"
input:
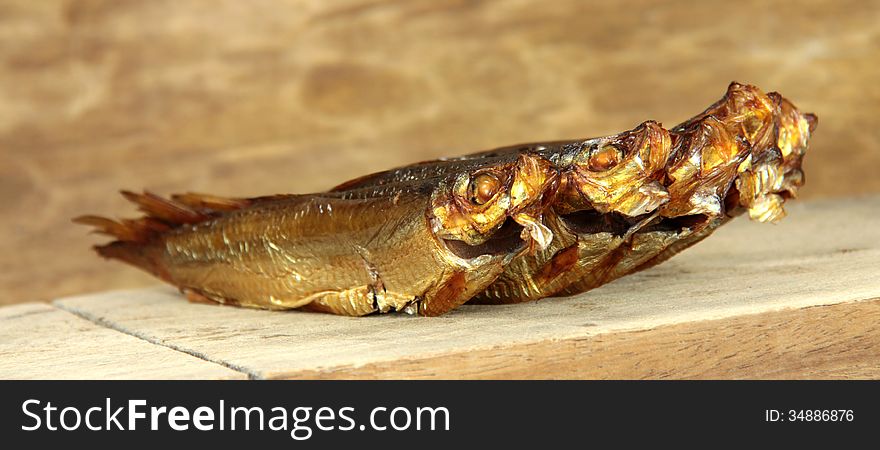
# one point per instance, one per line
(423, 247)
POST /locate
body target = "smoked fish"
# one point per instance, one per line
(508, 225)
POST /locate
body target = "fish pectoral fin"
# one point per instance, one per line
(534, 232)
(196, 296)
(457, 289)
(358, 301)
(446, 297)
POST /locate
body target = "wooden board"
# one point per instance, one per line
(823, 342)
(794, 300)
(246, 98)
(38, 341)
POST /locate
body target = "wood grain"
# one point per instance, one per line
(839, 341)
(38, 341)
(259, 97)
(756, 301)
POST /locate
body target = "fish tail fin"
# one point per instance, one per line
(171, 212)
(141, 255)
(137, 241)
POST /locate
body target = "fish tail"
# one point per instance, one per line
(135, 244)
(144, 256)
(138, 241)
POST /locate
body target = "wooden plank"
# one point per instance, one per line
(838, 341)
(299, 95)
(38, 341)
(764, 290)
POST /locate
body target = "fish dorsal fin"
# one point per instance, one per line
(171, 212)
(210, 203)
(162, 215)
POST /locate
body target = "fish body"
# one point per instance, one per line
(421, 247)
(508, 225)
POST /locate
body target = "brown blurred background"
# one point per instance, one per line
(256, 97)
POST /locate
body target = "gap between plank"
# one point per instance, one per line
(100, 321)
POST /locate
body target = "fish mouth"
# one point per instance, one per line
(588, 222)
(676, 224)
(507, 240)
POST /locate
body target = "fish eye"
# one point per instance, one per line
(604, 158)
(482, 188)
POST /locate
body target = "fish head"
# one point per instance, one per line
(742, 153)
(708, 155)
(493, 201)
(774, 173)
(747, 112)
(618, 174)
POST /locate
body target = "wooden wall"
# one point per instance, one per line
(258, 97)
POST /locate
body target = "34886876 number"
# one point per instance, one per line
(820, 415)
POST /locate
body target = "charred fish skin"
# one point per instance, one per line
(423, 247)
